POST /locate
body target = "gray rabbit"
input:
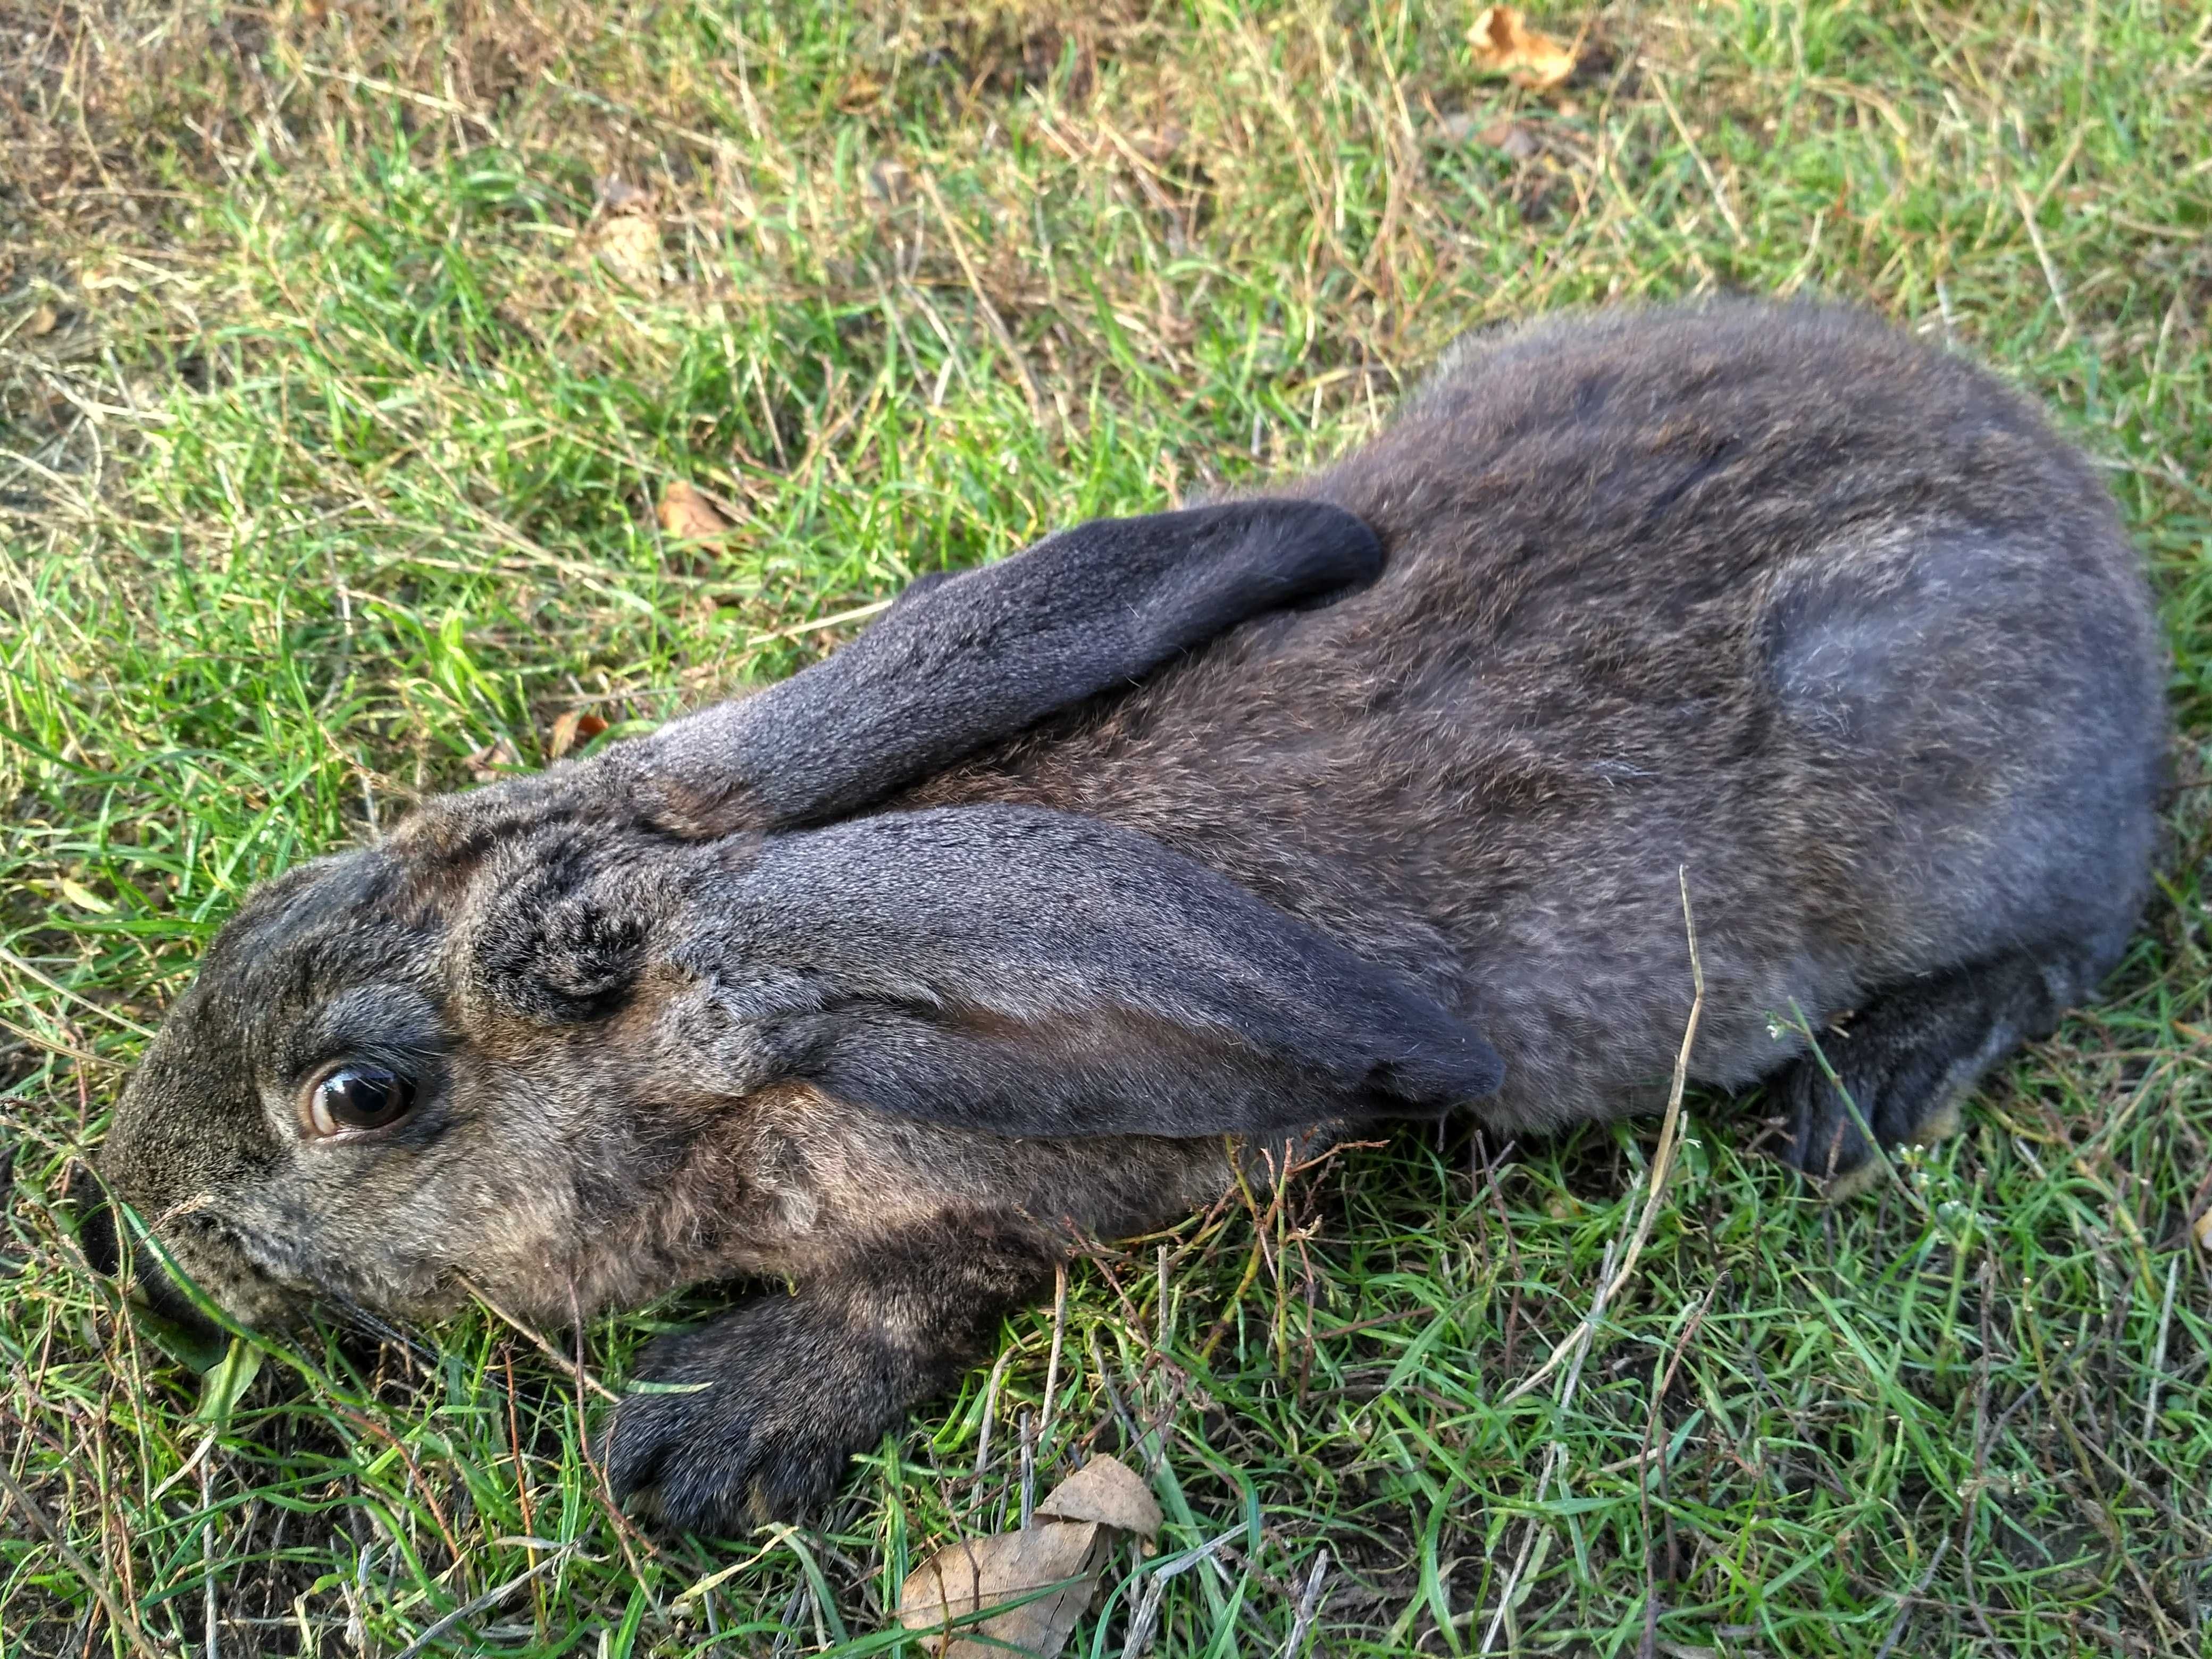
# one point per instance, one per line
(1369, 799)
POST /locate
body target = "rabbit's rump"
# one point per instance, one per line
(1779, 600)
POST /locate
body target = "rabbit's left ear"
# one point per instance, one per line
(1030, 973)
(960, 663)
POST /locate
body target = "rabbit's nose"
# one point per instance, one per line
(95, 1235)
(100, 1235)
(166, 1297)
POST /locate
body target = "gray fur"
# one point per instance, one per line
(919, 963)
(962, 663)
(1771, 595)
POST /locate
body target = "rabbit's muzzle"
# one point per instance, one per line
(222, 1272)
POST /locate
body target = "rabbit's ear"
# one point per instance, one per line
(974, 659)
(1030, 973)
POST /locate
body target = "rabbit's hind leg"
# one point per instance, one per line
(1909, 1056)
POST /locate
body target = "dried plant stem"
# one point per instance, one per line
(1663, 1162)
(118, 1615)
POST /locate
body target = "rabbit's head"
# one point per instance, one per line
(404, 1065)
(509, 1048)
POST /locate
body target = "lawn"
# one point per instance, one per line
(345, 352)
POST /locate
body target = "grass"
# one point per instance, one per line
(337, 400)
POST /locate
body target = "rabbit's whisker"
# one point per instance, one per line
(371, 1324)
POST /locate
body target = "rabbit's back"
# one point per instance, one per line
(1772, 596)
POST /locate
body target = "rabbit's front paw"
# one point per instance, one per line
(759, 1411)
(765, 1405)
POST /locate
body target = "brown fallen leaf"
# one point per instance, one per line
(961, 1579)
(577, 725)
(861, 93)
(628, 245)
(84, 897)
(494, 761)
(1054, 1562)
(1158, 144)
(1514, 137)
(2205, 1230)
(1503, 41)
(688, 516)
(891, 179)
(618, 195)
(1107, 1490)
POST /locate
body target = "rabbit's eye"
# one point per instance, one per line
(358, 1097)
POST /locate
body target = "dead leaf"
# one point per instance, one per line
(688, 515)
(2205, 1230)
(42, 321)
(84, 897)
(494, 761)
(963, 1578)
(1158, 144)
(891, 179)
(628, 245)
(1503, 41)
(861, 93)
(1065, 1545)
(618, 195)
(577, 725)
(1107, 1490)
(1511, 136)
(1174, 327)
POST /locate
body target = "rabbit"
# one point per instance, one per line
(1083, 882)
